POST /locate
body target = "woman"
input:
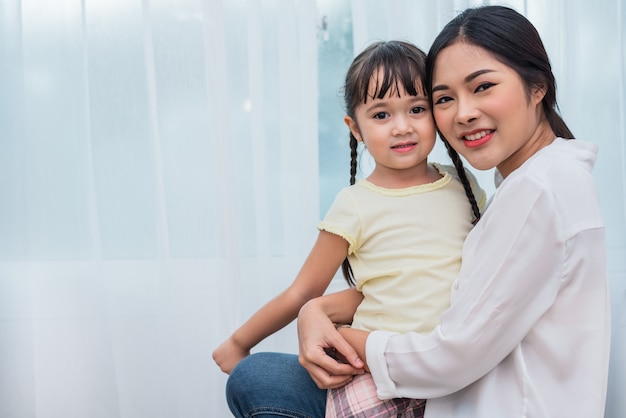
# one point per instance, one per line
(527, 333)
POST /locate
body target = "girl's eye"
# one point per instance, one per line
(418, 109)
(483, 87)
(380, 115)
(443, 99)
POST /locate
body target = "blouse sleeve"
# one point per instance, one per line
(511, 273)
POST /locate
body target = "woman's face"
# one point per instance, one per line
(482, 108)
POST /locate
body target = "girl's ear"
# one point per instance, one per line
(354, 128)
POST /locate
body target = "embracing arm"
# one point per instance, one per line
(511, 274)
(317, 337)
(318, 270)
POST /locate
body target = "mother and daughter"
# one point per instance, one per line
(521, 327)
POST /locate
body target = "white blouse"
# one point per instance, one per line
(528, 330)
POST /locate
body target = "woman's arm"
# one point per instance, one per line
(511, 274)
(313, 279)
(320, 343)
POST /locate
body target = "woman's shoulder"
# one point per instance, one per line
(562, 160)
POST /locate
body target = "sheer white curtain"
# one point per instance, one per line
(159, 183)
(158, 180)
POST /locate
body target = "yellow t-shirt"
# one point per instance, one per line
(404, 248)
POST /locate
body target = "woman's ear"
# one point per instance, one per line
(354, 128)
(538, 93)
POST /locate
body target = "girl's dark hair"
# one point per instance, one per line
(512, 40)
(402, 68)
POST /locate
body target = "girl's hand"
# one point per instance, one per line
(320, 347)
(228, 354)
(357, 339)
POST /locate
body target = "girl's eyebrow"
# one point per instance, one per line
(380, 103)
(375, 105)
(419, 97)
(467, 79)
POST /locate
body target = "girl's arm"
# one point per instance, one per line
(313, 279)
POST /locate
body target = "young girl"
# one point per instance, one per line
(401, 229)
(406, 223)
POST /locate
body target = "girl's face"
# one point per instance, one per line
(399, 133)
(482, 108)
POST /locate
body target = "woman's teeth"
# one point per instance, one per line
(476, 136)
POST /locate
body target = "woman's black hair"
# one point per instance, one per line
(512, 40)
(395, 67)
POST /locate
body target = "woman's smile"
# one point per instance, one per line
(477, 139)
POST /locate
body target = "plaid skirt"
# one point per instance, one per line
(358, 399)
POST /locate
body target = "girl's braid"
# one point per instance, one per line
(346, 269)
(458, 164)
(353, 155)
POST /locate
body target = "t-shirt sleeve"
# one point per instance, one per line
(343, 219)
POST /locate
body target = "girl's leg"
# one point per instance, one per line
(358, 399)
(416, 409)
(265, 385)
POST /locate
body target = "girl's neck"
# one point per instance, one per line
(394, 179)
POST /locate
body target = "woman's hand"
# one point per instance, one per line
(321, 345)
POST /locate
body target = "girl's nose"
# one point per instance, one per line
(402, 126)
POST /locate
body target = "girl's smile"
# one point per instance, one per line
(404, 147)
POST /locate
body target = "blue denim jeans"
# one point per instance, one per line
(265, 385)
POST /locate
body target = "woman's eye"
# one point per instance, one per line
(483, 87)
(443, 99)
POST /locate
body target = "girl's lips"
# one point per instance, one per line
(404, 147)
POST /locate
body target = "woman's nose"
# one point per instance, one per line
(467, 112)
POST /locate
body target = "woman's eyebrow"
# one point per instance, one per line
(475, 74)
(467, 79)
(439, 87)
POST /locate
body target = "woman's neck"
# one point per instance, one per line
(543, 136)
